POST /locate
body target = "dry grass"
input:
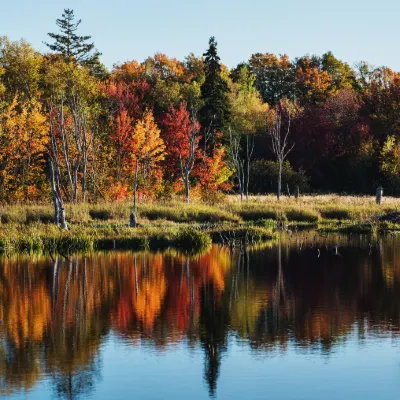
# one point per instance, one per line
(230, 209)
(102, 225)
(322, 200)
(328, 207)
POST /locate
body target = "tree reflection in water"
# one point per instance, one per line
(56, 314)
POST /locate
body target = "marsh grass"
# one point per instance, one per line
(306, 209)
(176, 224)
(179, 212)
(39, 237)
(302, 215)
(338, 213)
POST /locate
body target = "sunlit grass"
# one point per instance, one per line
(177, 224)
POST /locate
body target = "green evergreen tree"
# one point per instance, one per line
(75, 47)
(68, 43)
(96, 67)
(215, 113)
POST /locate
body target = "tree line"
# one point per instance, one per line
(73, 131)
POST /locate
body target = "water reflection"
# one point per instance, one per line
(310, 291)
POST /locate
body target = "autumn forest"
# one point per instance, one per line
(159, 128)
(180, 227)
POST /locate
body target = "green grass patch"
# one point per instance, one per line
(190, 238)
(355, 228)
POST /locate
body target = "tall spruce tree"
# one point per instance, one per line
(215, 113)
(75, 47)
(68, 43)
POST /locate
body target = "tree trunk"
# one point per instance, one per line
(132, 218)
(187, 188)
(248, 157)
(84, 177)
(279, 181)
(60, 202)
(75, 187)
(53, 191)
(61, 216)
(240, 176)
(240, 180)
(379, 195)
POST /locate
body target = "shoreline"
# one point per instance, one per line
(191, 227)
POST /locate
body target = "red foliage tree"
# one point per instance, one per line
(181, 135)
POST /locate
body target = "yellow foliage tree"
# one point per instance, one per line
(23, 141)
(147, 149)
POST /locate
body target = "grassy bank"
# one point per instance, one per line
(41, 237)
(312, 209)
(190, 226)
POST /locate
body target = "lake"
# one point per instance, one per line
(309, 316)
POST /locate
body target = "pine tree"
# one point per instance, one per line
(75, 47)
(215, 113)
(96, 67)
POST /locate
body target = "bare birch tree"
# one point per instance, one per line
(280, 145)
(238, 162)
(241, 162)
(72, 106)
(83, 137)
(249, 117)
(55, 172)
(187, 163)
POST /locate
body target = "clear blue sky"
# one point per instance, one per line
(130, 29)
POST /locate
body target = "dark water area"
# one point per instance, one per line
(307, 317)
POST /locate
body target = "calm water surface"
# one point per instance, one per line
(294, 320)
